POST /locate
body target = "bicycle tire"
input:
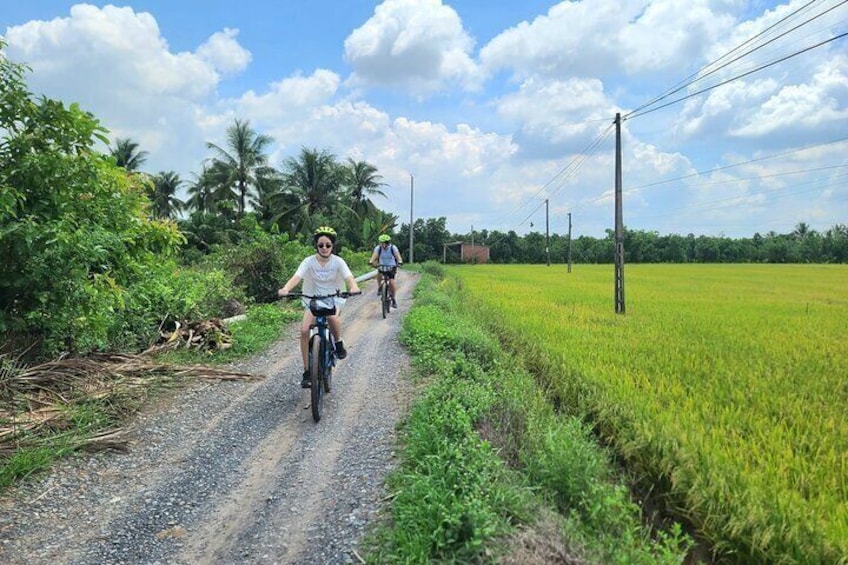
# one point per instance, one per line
(329, 362)
(384, 298)
(317, 376)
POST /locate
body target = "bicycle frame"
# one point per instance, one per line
(385, 299)
(322, 347)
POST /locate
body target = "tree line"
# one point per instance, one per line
(97, 254)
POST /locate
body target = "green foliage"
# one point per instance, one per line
(24, 462)
(452, 493)
(262, 265)
(73, 244)
(171, 293)
(75, 227)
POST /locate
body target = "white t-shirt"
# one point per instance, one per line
(326, 279)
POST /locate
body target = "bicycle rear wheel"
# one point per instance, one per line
(316, 351)
(384, 298)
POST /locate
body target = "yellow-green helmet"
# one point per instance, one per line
(325, 231)
(384, 238)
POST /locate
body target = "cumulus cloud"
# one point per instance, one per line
(417, 44)
(555, 114)
(115, 63)
(224, 53)
(606, 37)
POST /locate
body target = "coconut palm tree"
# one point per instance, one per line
(211, 188)
(363, 182)
(269, 184)
(802, 230)
(314, 179)
(165, 202)
(243, 157)
(127, 154)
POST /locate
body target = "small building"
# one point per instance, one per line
(468, 252)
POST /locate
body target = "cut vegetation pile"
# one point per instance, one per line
(51, 409)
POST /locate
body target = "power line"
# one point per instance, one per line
(701, 74)
(632, 115)
(716, 169)
(564, 173)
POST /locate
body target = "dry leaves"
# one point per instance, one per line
(39, 404)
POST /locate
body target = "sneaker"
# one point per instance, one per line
(394, 303)
(306, 381)
(341, 352)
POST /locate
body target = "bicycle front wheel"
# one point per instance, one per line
(384, 298)
(316, 350)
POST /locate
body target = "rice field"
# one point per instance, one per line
(724, 387)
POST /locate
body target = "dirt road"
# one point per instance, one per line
(234, 472)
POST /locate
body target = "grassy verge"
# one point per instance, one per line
(490, 472)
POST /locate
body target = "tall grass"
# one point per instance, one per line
(724, 386)
(484, 452)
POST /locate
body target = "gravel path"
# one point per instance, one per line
(233, 472)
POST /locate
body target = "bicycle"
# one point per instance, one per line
(322, 345)
(385, 297)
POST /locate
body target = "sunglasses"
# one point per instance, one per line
(325, 245)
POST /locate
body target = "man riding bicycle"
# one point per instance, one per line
(321, 273)
(386, 254)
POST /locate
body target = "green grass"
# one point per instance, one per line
(483, 450)
(722, 387)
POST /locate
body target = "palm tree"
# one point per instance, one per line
(165, 202)
(314, 180)
(802, 230)
(363, 182)
(269, 184)
(243, 157)
(127, 155)
(210, 188)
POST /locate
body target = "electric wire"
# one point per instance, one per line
(703, 73)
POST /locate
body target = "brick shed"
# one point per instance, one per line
(474, 253)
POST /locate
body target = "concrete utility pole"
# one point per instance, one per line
(411, 200)
(569, 242)
(547, 234)
(619, 223)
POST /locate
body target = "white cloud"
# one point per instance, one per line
(556, 113)
(419, 45)
(606, 37)
(223, 52)
(115, 63)
(287, 99)
(821, 101)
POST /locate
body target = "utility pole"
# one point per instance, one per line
(547, 235)
(569, 242)
(619, 227)
(411, 200)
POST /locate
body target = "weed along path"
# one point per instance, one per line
(233, 472)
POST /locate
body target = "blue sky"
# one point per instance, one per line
(493, 106)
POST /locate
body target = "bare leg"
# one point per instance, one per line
(308, 320)
(335, 327)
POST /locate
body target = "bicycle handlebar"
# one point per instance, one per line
(337, 294)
